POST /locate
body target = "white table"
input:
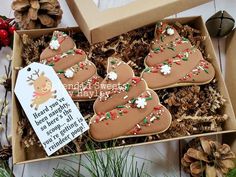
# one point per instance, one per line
(164, 156)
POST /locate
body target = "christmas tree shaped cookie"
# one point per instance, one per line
(77, 73)
(173, 61)
(126, 107)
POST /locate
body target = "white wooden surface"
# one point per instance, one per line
(164, 157)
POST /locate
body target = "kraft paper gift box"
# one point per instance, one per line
(24, 155)
(100, 25)
(230, 65)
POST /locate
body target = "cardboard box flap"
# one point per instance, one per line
(100, 25)
(230, 64)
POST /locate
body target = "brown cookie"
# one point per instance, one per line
(126, 102)
(173, 61)
(77, 73)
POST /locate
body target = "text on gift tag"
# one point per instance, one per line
(50, 110)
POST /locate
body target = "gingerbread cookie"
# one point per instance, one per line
(126, 107)
(77, 73)
(173, 61)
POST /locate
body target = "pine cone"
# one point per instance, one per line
(31, 14)
(208, 158)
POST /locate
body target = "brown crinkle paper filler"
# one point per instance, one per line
(33, 48)
(195, 100)
(5, 152)
(32, 14)
(195, 109)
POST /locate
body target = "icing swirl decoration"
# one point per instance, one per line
(134, 111)
(174, 55)
(76, 72)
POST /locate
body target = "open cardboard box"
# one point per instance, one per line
(22, 155)
(100, 25)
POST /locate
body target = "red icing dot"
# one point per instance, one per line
(156, 108)
(179, 56)
(169, 61)
(81, 65)
(94, 80)
(79, 51)
(133, 106)
(179, 42)
(136, 79)
(56, 58)
(186, 50)
(107, 123)
(113, 115)
(178, 63)
(125, 111)
(154, 70)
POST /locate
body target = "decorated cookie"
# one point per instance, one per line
(126, 107)
(77, 73)
(173, 61)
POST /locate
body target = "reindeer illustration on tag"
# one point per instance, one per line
(42, 89)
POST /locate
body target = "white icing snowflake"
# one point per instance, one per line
(69, 73)
(54, 44)
(170, 31)
(165, 69)
(141, 102)
(112, 75)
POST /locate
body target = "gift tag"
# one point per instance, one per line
(49, 108)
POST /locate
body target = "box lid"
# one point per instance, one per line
(100, 25)
(230, 65)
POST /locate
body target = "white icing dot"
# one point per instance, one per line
(170, 31)
(152, 119)
(112, 75)
(69, 73)
(54, 44)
